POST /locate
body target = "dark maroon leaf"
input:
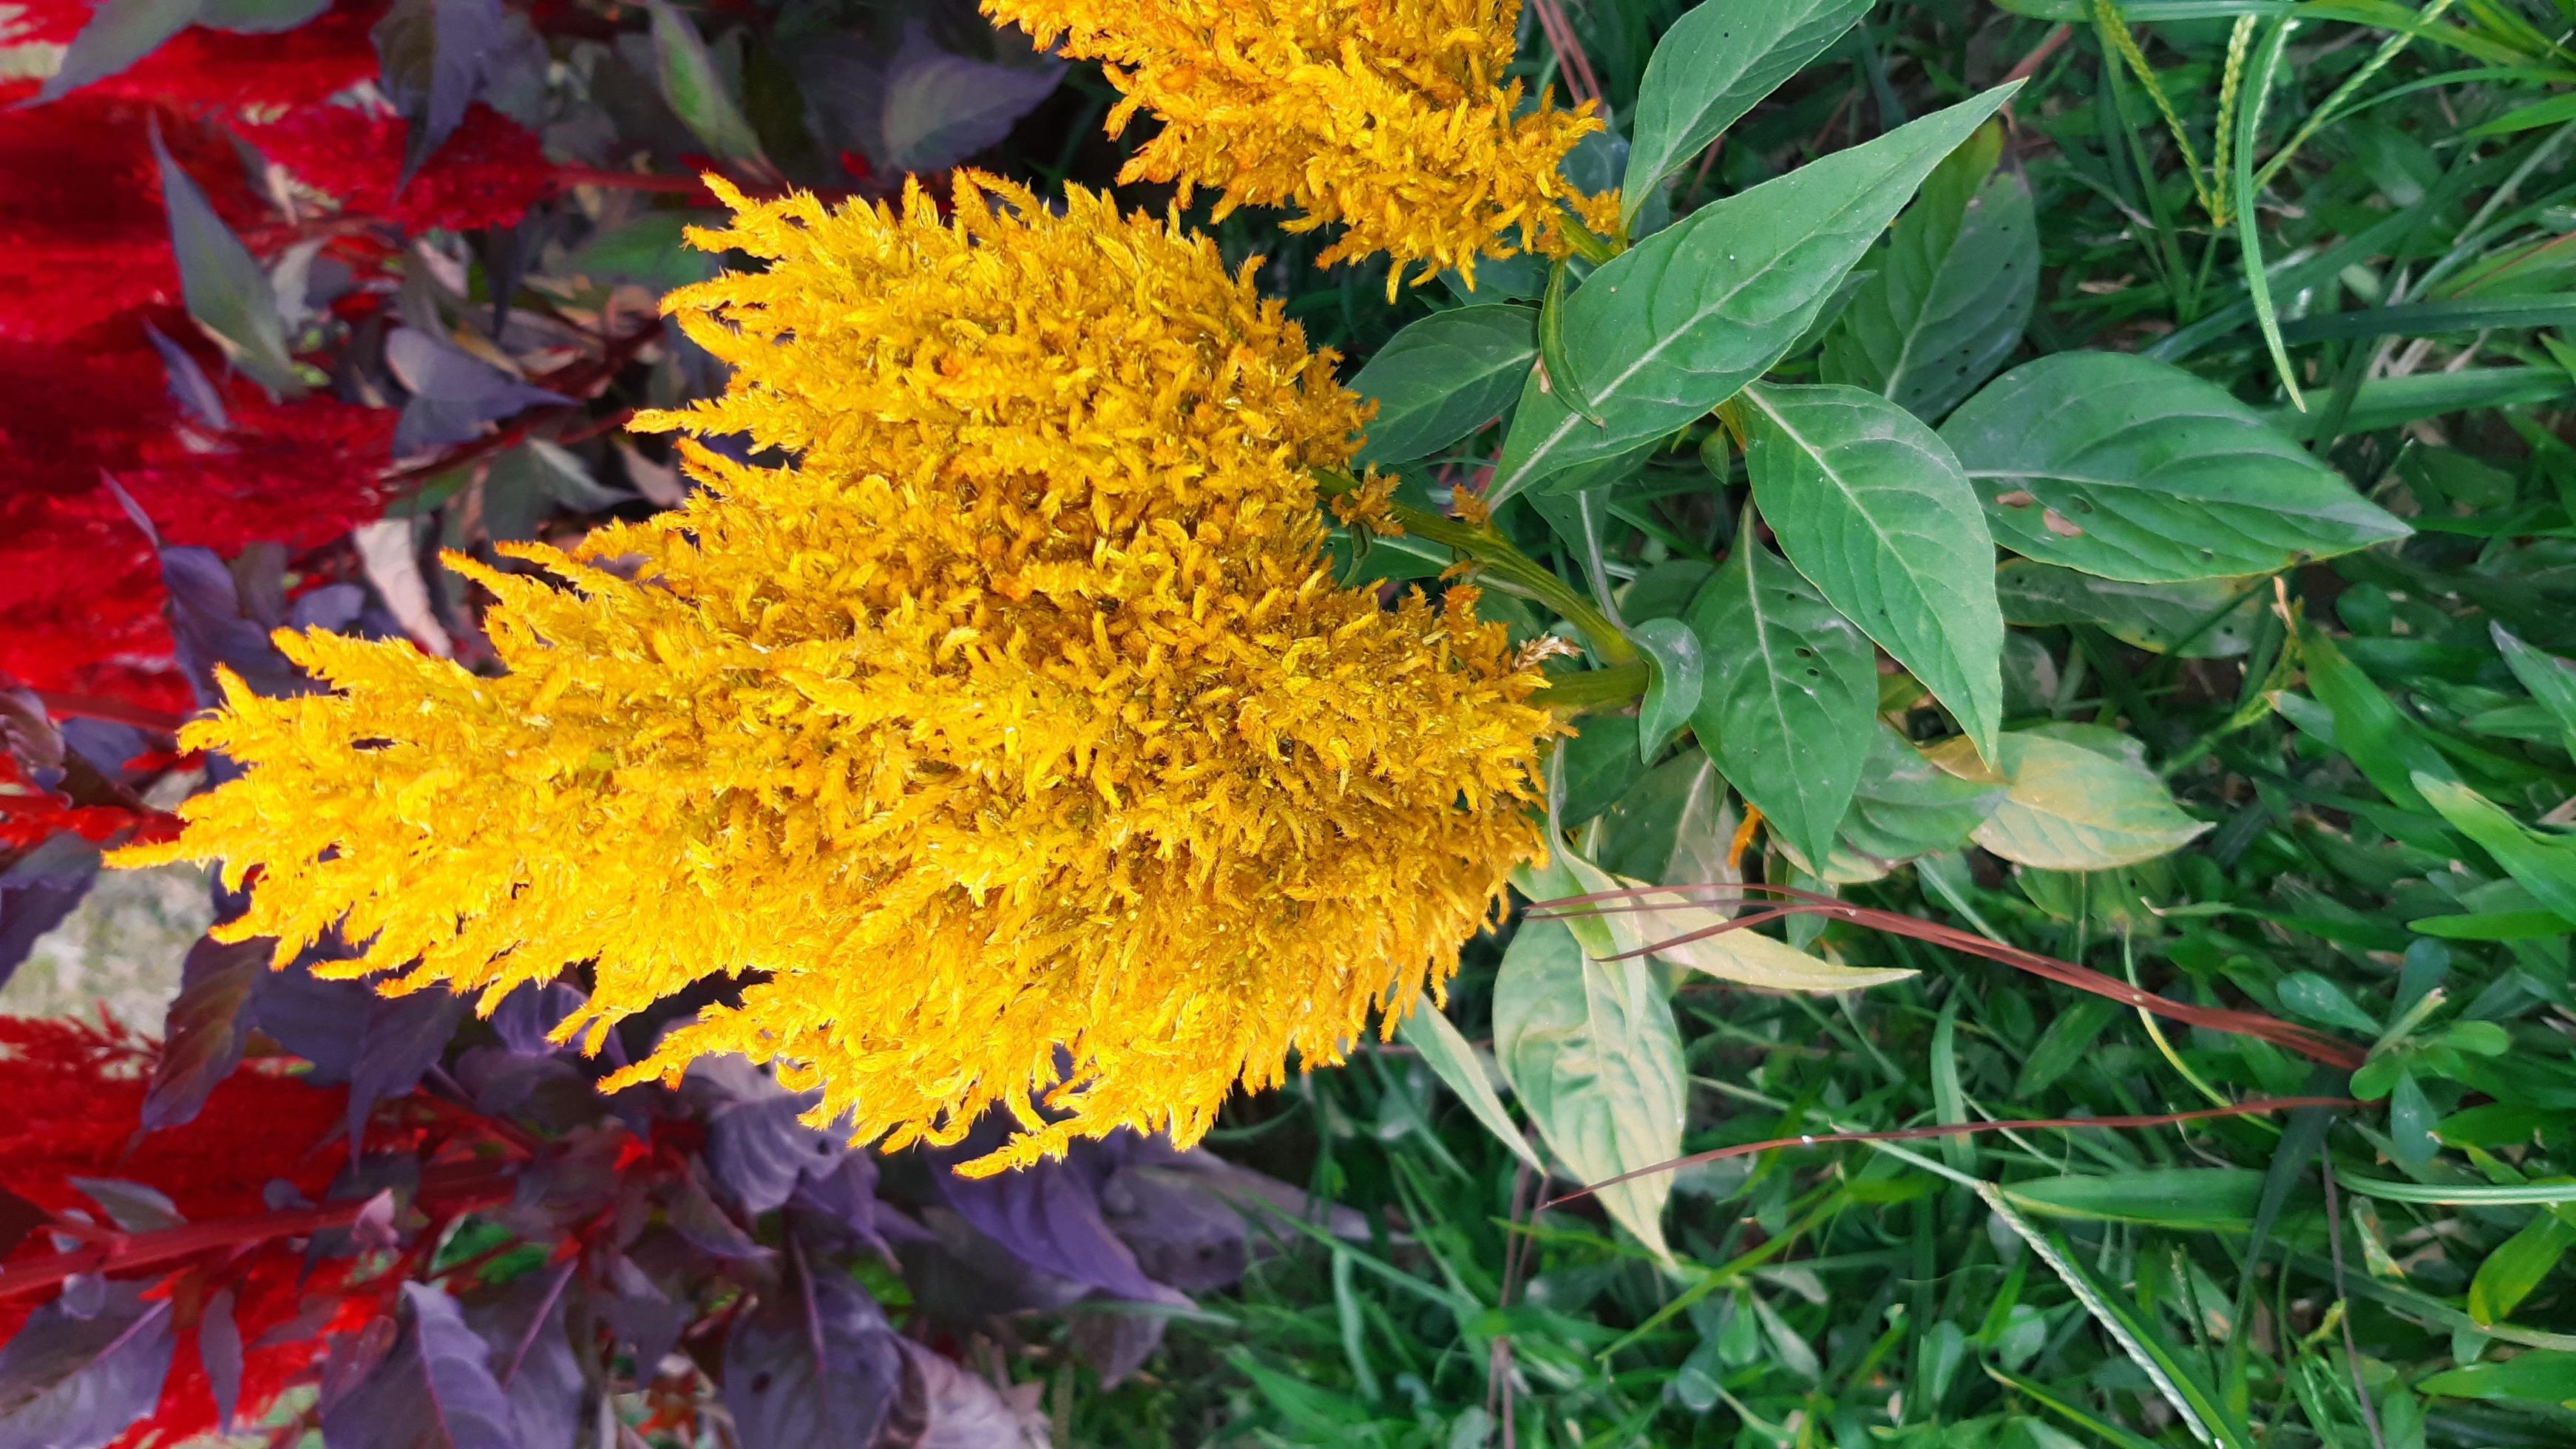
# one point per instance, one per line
(74, 1381)
(532, 1357)
(1049, 1216)
(219, 1352)
(846, 1197)
(381, 1046)
(436, 55)
(433, 1389)
(18, 1218)
(1115, 1341)
(454, 394)
(354, 1357)
(205, 1029)
(39, 892)
(758, 1152)
(812, 1367)
(130, 1205)
(1182, 1233)
(696, 1216)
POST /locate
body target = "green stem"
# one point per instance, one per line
(1590, 689)
(1587, 243)
(1494, 557)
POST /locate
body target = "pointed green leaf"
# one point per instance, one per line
(2132, 469)
(1672, 688)
(2551, 680)
(1445, 376)
(1905, 807)
(118, 34)
(1716, 63)
(1591, 1050)
(697, 91)
(1953, 291)
(1868, 502)
(1675, 325)
(2536, 1376)
(1788, 697)
(1453, 1060)
(2518, 1265)
(2544, 864)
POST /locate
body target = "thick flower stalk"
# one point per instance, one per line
(1013, 743)
(1389, 118)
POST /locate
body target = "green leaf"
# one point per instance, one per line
(1954, 289)
(1716, 63)
(2318, 999)
(2201, 1199)
(1590, 1048)
(696, 89)
(226, 290)
(2410, 1124)
(1673, 684)
(1786, 706)
(2068, 1040)
(648, 250)
(1598, 765)
(1446, 1051)
(2551, 680)
(1905, 807)
(2116, 465)
(118, 34)
(1445, 376)
(2544, 864)
(2518, 1265)
(2538, 1376)
(1556, 375)
(1868, 502)
(1678, 323)
(2159, 618)
(2067, 807)
(2386, 746)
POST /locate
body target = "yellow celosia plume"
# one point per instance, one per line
(1388, 117)
(1013, 739)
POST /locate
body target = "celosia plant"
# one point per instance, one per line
(1016, 733)
(1388, 118)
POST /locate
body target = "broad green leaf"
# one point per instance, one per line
(226, 290)
(1867, 501)
(2518, 1265)
(1953, 291)
(2196, 1198)
(2159, 618)
(1453, 1060)
(1591, 1050)
(1788, 696)
(1672, 827)
(2318, 999)
(1598, 764)
(1678, 323)
(648, 250)
(2544, 864)
(1904, 807)
(1444, 376)
(118, 34)
(1716, 63)
(1673, 686)
(2537, 1376)
(2116, 465)
(696, 89)
(2068, 1040)
(2067, 807)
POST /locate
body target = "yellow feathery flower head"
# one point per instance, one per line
(1387, 117)
(1016, 735)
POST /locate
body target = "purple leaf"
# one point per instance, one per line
(532, 1357)
(1115, 1342)
(212, 624)
(18, 1218)
(942, 108)
(381, 1046)
(219, 1350)
(433, 1389)
(190, 388)
(525, 1016)
(74, 1382)
(847, 1197)
(226, 289)
(454, 394)
(1181, 1232)
(1048, 1215)
(436, 55)
(696, 1216)
(130, 1205)
(39, 893)
(945, 1407)
(640, 1314)
(354, 1357)
(814, 1367)
(205, 1029)
(758, 1152)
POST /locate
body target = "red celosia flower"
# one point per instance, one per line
(29, 813)
(75, 1095)
(198, 66)
(486, 174)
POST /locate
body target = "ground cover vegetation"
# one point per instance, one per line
(1596, 723)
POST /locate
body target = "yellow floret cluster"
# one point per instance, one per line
(1012, 744)
(1388, 118)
